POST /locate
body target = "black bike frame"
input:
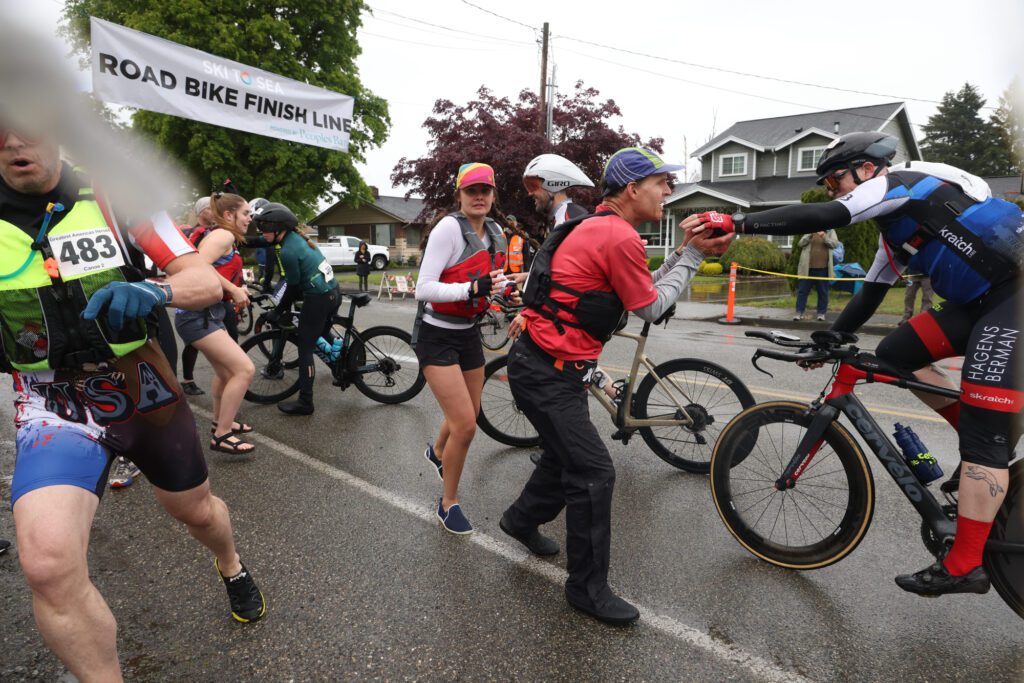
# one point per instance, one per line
(841, 399)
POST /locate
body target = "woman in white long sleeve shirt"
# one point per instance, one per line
(463, 261)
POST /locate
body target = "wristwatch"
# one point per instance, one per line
(739, 222)
(164, 285)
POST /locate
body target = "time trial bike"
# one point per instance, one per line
(794, 487)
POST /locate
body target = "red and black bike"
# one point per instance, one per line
(794, 487)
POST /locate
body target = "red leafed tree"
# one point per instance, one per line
(505, 134)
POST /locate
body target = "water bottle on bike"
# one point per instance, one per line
(327, 350)
(923, 464)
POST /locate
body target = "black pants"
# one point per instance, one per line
(314, 322)
(190, 354)
(575, 470)
(364, 281)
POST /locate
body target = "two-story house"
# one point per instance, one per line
(763, 163)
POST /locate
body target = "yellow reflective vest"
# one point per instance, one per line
(40, 316)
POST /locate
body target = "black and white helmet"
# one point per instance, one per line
(851, 149)
(274, 217)
(257, 204)
(556, 173)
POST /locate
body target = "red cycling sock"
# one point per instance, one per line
(951, 414)
(968, 546)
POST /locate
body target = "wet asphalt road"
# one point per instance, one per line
(334, 516)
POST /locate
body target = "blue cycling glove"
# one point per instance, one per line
(124, 300)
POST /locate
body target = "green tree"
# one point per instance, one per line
(957, 135)
(1008, 121)
(312, 41)
(860, 240)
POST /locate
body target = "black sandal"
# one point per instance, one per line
(217, 443)
(242, 428)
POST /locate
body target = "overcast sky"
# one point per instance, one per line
(890, 51)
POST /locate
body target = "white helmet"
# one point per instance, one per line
(556, 173)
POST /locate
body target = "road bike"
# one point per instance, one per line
(794, 486)
(493, 325)
(679, 407)
(379, 361)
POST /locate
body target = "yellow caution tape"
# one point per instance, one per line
(798, 277)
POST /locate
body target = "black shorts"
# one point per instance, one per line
(987, 333)
(443, 346)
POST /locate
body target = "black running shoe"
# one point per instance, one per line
(4, 545)
(935, 581)
(191, 389)
(247, 603)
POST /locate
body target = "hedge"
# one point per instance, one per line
(755, 252)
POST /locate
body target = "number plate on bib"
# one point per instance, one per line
(86, 251)
(327, 270)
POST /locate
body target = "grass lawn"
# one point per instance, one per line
(349, 275)
(892, 305)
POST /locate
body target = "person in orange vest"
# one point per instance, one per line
(514, 263)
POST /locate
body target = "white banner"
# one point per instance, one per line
(140, 70)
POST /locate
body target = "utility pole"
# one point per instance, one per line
(542, 109)
(549, 126)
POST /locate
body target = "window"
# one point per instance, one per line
(653, 232)
(353, 242)
(732, 164)
(383, 234)
(809, 157)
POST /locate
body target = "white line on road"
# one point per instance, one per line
(757, 666)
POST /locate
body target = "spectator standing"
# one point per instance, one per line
(363, 266)
(815, 262)
(917, 281)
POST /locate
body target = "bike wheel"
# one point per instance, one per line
(817, 522)
(384, 366)
(493, 333)
(499, 416)
(1006, 570)
(711, 396)
(276, 358)
(245, 321)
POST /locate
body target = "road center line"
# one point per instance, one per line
(757, 666)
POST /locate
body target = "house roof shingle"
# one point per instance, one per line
(769, 133)
(404, 209)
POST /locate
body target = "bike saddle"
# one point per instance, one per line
(833, 338)
(360, 299)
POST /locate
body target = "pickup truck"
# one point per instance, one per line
(341, 251)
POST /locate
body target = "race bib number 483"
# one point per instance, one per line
(86, 251)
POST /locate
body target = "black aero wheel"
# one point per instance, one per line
(818, 521)
(276, 358)
(1006, 570)
(708, 393)
(499, 416)
(493, 332)
(384, 366)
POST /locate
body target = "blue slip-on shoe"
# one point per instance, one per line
(431, 456)
(453, 520)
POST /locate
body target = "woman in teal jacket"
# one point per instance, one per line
(310, 278)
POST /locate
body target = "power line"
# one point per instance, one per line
(487, 11)
(496, 48)
(713, 68)
(707, 85)
(446, 28)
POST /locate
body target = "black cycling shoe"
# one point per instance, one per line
(611, 609)
(247, 603)
(535, 457)
(4, 545)
(191, 389)
(536, 542)
(299, 407)
(935, 581)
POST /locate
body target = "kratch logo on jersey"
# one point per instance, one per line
(959, 243)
